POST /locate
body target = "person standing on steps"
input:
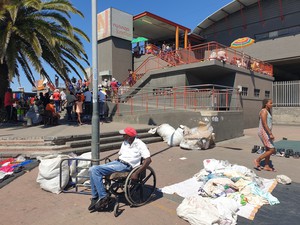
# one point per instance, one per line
(79, 109)
(71, 99)
(56, 98)
(266, 136)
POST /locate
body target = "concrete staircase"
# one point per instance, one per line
(78, 144)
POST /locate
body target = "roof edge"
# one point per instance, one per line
(146, 13)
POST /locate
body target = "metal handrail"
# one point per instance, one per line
(195, 98)
(200, 53)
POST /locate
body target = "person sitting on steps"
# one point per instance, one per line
(55, 115)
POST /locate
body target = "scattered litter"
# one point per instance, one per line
(283, 179)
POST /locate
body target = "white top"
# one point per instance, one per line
(63, 95)
(134, 152)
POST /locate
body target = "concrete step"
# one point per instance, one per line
(22, 142)
(107, 146)
(62, 140)
(104, 140)
(77, 144)
(47, 150)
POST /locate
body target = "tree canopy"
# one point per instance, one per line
(36, 33)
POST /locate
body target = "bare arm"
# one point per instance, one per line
(145, 164)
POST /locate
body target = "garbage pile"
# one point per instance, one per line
(201, 137)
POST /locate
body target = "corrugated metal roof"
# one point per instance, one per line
(228, 9)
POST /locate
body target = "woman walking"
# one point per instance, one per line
(79, 110)
(266, 136)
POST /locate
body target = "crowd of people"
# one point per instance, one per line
(76, 99)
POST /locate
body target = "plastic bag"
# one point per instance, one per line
(49, 173)
(283, 179)
(165, 131)
(176, 137)
(83, 168)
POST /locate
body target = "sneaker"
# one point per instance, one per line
(261, 150)
(93, 203)
(255, 148)
(101, 203)
(280, 152)
(287, 153)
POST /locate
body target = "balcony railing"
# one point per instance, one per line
(286, 93)
(199, 53)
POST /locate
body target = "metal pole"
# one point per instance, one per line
(95, 117)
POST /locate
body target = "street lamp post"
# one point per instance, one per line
(95, 117)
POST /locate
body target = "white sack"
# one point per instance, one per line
(227, 209)
(198, 211)
(198, 138)
(283, 179)
(152, 130)
(202, 131)
(195, 144)
(83, 168)
(165, 131)
(176, 137)
(49, 173)
(205, 211)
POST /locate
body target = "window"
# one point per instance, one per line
(244, 91)
(278, 33)
(267, 94)
(163, 91)
(256, 92)
(261, 36)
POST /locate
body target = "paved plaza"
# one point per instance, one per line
(23, 202)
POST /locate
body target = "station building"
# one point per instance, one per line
(190, 65)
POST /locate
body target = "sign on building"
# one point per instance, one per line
(113, 22)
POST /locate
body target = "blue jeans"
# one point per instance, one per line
(97, 172)
(101, 109)
(69, 112)
(57, 105)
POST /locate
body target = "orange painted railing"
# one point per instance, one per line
(198, 53)
(195, 98)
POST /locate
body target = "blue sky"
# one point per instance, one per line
(187, 13)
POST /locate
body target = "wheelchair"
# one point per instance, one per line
(118, 185)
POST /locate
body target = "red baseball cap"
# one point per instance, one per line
(129, 131)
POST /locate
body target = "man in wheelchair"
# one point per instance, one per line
(131, 152)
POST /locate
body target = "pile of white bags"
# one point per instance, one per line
(164, 130)
(83, 168)
(49, 171)
(176, 137)
(198, 138)
(201, 137)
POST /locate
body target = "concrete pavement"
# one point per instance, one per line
(23, 202)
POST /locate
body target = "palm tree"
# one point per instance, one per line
(35, 33)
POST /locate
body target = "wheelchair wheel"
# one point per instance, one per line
(116, 209)
(138, 192)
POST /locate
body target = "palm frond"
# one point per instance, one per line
(36, 33)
